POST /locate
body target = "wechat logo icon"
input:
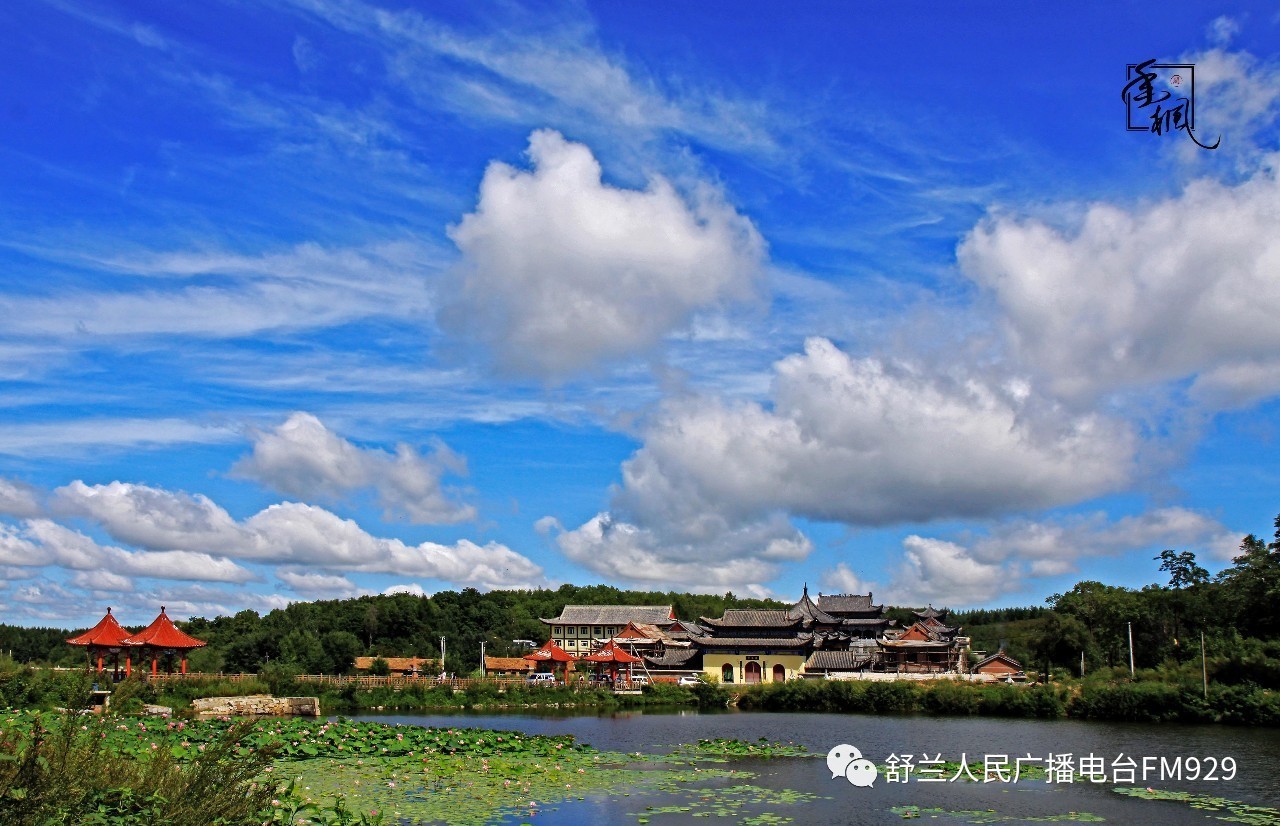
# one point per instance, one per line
(846, 761)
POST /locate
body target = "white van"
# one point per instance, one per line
(541, 678)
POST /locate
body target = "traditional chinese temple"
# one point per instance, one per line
(751, 646)
(859, 617)
(929, 645)
(837, 634)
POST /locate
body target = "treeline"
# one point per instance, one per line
(325, 637)
(1234, 610)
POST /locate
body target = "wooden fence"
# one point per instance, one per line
(360, 680)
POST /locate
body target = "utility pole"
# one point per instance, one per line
(1204, 667)
(1082, 665)
(442, 655)
(1131, 650)
(483, 672)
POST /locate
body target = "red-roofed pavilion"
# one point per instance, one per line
(163, 639)
(612, 655)
(551, 654)
(107, 637)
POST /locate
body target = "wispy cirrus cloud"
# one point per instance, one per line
(548, 72)
(237, 295)
(75, 436)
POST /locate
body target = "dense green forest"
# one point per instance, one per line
(1235, 610)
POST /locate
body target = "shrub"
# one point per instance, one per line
(951, 697)
(61, 773)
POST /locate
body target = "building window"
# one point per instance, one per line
(557, 631)
(582, 632)
(599, 631)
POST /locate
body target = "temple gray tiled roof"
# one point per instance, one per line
(847, 603)
(823, 660)
(612, 615)
(743, 618)
(806, 610)
(797, 641)
(673, 658)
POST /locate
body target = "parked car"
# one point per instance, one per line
(541, 678)
(639, 679)
(689, 679)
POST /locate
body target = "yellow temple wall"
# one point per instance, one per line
(713, 665)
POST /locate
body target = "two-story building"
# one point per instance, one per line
(580, 629)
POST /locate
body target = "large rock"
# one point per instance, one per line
(258, 704)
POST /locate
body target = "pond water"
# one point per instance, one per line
(1256, 781)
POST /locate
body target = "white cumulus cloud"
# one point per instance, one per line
(562, 272)
(18, 499)
(855, 440)
(866, 442)
(303, 458)
(1187, 287)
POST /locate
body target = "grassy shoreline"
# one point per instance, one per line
(1100, 698)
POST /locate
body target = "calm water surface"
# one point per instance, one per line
(1256, 750)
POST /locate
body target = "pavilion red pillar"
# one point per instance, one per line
(128, 665)
(99, 662)
(184, 665)
(155, 663)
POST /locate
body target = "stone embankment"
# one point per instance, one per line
(258, 704)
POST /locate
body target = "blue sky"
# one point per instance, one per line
(320, 298)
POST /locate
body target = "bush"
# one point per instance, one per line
(61, 773)
(668, 693)
(951, 697)
(1150, 702)
(1005, 700)
(896, 697)
(1246, 705)
(710, 695)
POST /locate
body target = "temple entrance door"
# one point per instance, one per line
(779, 674)
(752, 672)
(726, 673)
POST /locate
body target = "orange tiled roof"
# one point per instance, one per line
(107, 634)
(508, 664)
(611, 652)
(162, 633)
(550, 651)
